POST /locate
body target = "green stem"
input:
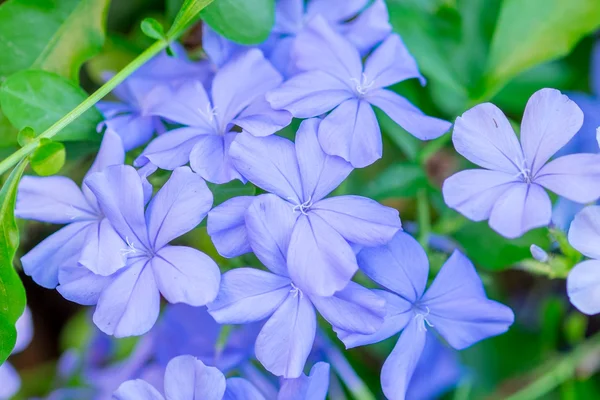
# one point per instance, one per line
(423, 218)
(558, 371)
(23, 152)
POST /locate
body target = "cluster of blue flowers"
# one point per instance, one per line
(328, 63)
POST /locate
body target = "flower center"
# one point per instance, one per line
(296, 291)
(363, 85)
(210, 113)
(421, 317)
(303, 207)
(130, 249)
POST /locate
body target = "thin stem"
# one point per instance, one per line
(423, 218)
(17, 156)
(558, 371)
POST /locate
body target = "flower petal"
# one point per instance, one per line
(248, 295)
(286, 339)
(129, 306)
(60, 249)
(320, 261)
(111, 152)
(484, 136)
(351, 131)
(11, 381)
(171, 149)
(473, 192)
(409, 117)
(227, 228)
(391, 63)
(369, 28)
(103, 250)
(187, 378)
(400, 365)
(359, 220)
(549, 122)
(210, 158)
(520, 209)
(337, 56)
(400, 266)
(311, 387)
(584, 233)
(186, 275)
(178, 207)
(459, 308)
(135, 390)
(80, 285)
(574, 176)
(270, 163)
(583, 286)
(309, 94)
(270, 222)
(260, 119)
(54, 199)
(241, 389)
(133, 129)
(354, 309)
(320, 172)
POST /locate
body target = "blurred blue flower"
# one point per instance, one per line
(9, 377)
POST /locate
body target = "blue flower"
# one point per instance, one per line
(128, 295)
(336, 81)
(510, 190)
(237, 99)
(320, 232)
(455, 305)
(58, 200)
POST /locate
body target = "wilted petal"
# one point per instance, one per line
(187, 378)
(351, 131)
(369, 28)
(520, 209)
(136, 390)
(320, 172)
(549, 122)
(337, 56)
(400, 266)
(80, 285)
(583, 287)
(241, 389)
(400, 365)
(178, 207)
(54, 199)
(320, 260)
(240, 81)
(391, 63)
(260, 119)
(574, 176)
(286, 339)
(129, 306)
(352, 309)
(584, 233)
(210, 158)
(171, 149)
(270, 222)
(484, 136)
(104, 252)
(398, 313)
(248, 295)
(459, 308)
(270, 163)
(473, 192)
(186, 275)
(359, 220)
(407, 115)
(309, 94)
(311, 387)
(60, 249)
(226, 226)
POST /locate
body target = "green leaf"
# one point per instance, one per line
(25, 136)
(8, 133)
(188, 13)
(38, 99)
(12, 292)
(531, 32)
(224, 192)
(398, 180)
(153, 29)
(57, 36)
(48, 158)
(489, 249)
(243, 21)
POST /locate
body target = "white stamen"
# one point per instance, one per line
(295, 290)
(72, 213)
(304, 207)
(210, 113)
(363, 86)
(423, 318)
(130, 249)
